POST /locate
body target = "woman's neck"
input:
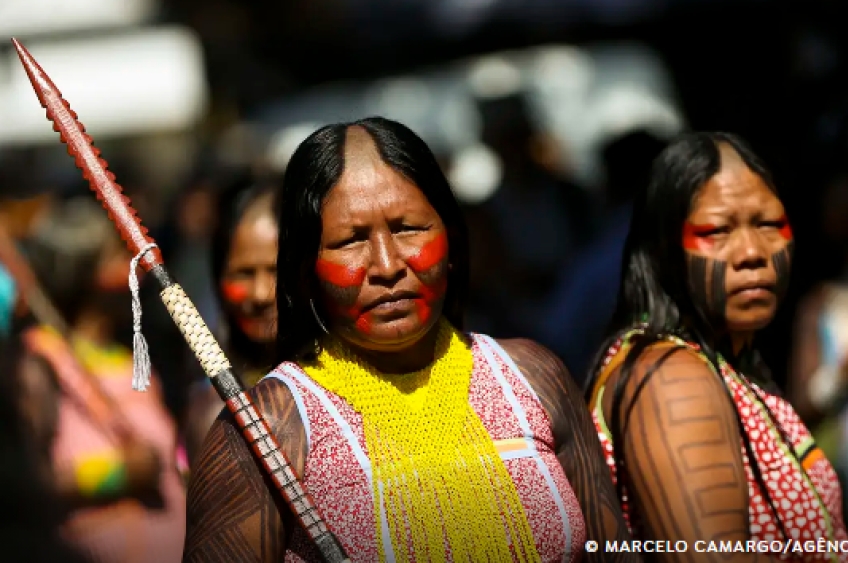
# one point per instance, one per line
(408, 360)
(740, 342)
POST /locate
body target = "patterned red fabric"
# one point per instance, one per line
(341, 487)
(809, 509)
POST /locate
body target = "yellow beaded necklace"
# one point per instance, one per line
(443, 483)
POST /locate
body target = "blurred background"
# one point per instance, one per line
(545, 114)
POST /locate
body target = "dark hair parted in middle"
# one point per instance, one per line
(314, 169)
(653, 289)
(653, 285)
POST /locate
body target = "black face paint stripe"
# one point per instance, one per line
(718, 293)
(706, 282)
(782, 261)
(697, 266)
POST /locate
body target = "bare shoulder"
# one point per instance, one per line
(531, 356)
(549, 378)
(543, 369)
(673, 364)
(233, 515)
(275, 402)
(666, 378)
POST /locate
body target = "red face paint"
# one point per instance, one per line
(342, 284)
(785, 229)
(339, 275)
(431, 254)
(234, 292)
(697, 237)
(428, 258)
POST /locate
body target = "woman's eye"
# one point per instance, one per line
(711, 231)
(410, 229)
(773, 224)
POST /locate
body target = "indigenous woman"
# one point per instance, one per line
(700, 444)
(244, 261)
(418, 442)
(113, 450)
(29, 518)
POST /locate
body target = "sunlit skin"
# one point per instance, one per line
(248, 285)
(380, 281)
(383, 260)
(738, 230)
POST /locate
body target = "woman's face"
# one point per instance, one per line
(249, 283)
(383, 260)
(738, 246)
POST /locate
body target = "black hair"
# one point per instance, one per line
(29, 514)
(314, 169)
(653, 286)
(65, 251)
(236, 199)
(653, 290)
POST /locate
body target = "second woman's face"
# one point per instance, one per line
(383, 260)
(249, 283)
(738, 246)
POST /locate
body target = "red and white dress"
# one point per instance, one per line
(806, 495)
(338, 472)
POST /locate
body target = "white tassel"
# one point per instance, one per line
(141, 358)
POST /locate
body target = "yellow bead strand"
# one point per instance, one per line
(444, 484)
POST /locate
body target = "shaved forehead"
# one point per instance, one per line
(259, 207)
(260, 216)
(363, 164)
(730, 159)
(360, 149)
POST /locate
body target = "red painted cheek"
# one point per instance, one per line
(429, 296)
(696, 237)
(234, 292)
(246, 325)
(786, 229)
(431, 254)
(339, 275)
(363, 323)
(344, 278)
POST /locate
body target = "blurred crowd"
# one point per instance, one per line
(544, 150)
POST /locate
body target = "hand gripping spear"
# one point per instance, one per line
(253, 427)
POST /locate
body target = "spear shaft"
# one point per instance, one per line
(208, 352)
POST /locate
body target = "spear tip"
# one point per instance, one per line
(40, 82)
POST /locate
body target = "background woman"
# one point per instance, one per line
(701, 445)
(244, 261)
(414, 438)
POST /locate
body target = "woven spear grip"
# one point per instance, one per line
(253, 427)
